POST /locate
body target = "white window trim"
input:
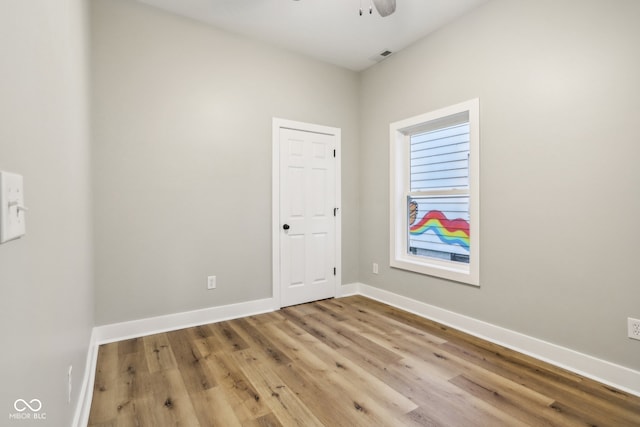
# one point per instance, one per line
(399, 180)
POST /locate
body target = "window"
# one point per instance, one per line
(434, 193)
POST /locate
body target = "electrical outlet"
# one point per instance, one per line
(70, 383)
(375, 268)
(211, 282)
(633, 328)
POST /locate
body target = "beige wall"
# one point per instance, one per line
(182, 117)
(46, 292)
(559, 106)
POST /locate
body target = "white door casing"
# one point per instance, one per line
(306, 214)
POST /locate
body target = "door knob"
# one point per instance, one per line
(286, 227)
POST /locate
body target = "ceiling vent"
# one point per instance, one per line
(381, 56)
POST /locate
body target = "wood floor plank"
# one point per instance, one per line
(376, 321)
(326, 307)
(133, 345)
(469, 410)
(227, 337)
(168, 402)
(349, 375)
(241, 394)
(268, 420)
(105, 385)
(283, 402)
(340, 362)
(340, 407)
(315, 328)
(564, 389)
(158, 353)
(275, 316)
(260, 340)
(345, 399)
(132, 371)
(336, 335)
(419, 418)
(524, 411)
(214, 409)
(445, 401)
(195, 372)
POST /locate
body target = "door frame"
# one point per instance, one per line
(275, 200)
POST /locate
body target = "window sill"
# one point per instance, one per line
(442, 269)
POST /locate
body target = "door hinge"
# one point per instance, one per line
(334, 271)
(335, 211)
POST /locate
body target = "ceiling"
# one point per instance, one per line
(328, 30)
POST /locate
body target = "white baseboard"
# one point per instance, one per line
(349, 289)
(605, 372)
(171, 322)
(81, 416)
(617, 376)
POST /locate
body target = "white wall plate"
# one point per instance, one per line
(12, 209)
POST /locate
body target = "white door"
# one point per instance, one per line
(307, 216)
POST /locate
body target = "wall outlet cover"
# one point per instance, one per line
(633, 330)
(12, 210)
(211, 282)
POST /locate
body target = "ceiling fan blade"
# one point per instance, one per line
(385, 7)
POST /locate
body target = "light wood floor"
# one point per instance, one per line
(343, 362)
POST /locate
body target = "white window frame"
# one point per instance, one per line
(400, 134)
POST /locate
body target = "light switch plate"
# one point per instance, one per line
(12, 210)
